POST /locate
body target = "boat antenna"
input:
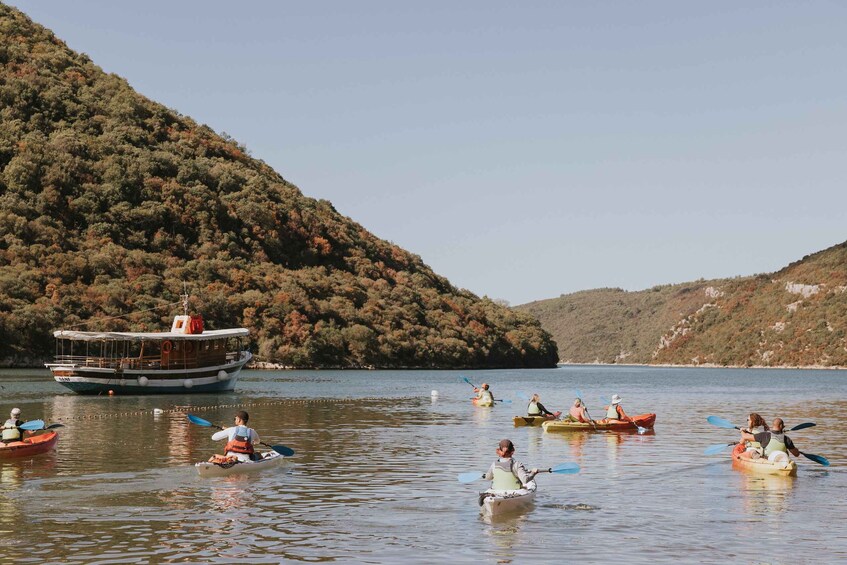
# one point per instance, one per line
(184, 297)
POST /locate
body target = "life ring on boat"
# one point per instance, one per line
(167, 346)
(189, 347)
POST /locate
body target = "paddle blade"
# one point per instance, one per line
(199, 421)
(578, 394)
(469, 382)
(469, 477)
(816, 458)
(33, 425)
(717, 448)
(803, 426)
(720, 422)
(283, 450)
(52, 426)
(503, 400)
(565, 469)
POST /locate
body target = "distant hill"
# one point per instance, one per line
(109, 201)
(794, 317)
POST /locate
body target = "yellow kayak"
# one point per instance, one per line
(762, 466)
(531, 420)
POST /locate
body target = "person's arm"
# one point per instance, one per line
(223, 434)
(747, 436)
(544, 411)
(254, 437)
(622, 414)
(489, 474)
(789, 445)
(522, 474)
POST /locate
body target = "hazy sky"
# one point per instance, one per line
(523, 150)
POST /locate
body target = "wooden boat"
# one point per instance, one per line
(269, 459)
(642, 420)
(29, 446)
(186, 359)
(761, 465)
(497, 502)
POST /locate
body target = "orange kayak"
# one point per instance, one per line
(642, 420)
(481, 402)
(761, 466)
(33, 445)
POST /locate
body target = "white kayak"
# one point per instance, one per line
(269, 459)
(496, 502)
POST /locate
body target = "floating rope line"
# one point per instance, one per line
(186, 409)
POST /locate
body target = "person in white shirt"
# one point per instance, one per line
(240, 438)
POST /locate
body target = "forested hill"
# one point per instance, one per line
(109, 201)
(794, 317)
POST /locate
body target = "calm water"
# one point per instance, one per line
(374, 478)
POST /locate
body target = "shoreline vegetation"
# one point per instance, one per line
(705, 366)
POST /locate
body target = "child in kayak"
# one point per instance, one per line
(506, 473)
(535, 408)
(240, 440)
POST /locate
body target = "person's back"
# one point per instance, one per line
(11, 427)
(506, 473)
(577, 413)
(240, 438)
(614, 411)
(773, 443)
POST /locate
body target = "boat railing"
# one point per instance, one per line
(151, 362)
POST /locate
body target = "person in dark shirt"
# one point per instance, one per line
(775, 445)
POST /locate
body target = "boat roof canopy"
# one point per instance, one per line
(150, 336)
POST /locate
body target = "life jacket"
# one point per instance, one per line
(240, 442)
(612, 412)
(755, 445)
(776, 443)
(11, 431)
(533, 409)
(486, 396)
(504, 478)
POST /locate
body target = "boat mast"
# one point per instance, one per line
(184, 297)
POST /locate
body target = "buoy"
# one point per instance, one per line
(188, 383)
(222, 375)
(122, 382)
(142, 381)
(111, 393)
(157, 411)
(434, 394)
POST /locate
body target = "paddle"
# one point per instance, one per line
(561, 469)
(816, 458)
(631, 421)
(281, 449)
(585, 407)
(717, 448)
(32, 425)
(721, 423)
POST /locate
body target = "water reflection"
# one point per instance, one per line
(766, 494)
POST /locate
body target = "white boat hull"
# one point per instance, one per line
(269, 460)
(498, 502)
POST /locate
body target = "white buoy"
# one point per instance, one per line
(222, 375)
(142, 381)
(434, 394)
(188, 383)
(158, 411)
(122, 382)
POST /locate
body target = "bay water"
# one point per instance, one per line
(374, 475)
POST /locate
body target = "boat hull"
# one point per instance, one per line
(33, 445)
(762, 466)
(521, 421)
(643, 420)
(482, 403)
(269, 460)
(498, 502)
(90, 380)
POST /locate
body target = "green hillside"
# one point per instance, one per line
(794, 317)
(109, 201)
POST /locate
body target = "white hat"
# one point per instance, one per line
(616, 399)
(16, 411)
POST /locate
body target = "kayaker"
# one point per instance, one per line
(614, 411)
(578, 413)
(484, 395)
(755, 425)
(11, 427)
(506, 473)
(773, 443)
(535, 408)
(240, 438)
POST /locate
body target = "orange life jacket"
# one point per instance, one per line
(240, 442)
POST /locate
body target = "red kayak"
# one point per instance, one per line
(32, 445)
(642, 420)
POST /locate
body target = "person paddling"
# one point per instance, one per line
(755, 425)
(773, 443)
(240, 440)
(506, 473)
(12, 427)
(483, 395)
(535, 408)
(578, 413)
(614, 411)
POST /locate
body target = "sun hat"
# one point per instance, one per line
(616, 399)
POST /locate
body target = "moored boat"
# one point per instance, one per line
(269, 459)
(497, 502)
(641, 420)
(29, 446)
(186, 359)
(762, 466)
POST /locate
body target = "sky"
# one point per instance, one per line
(523, 150)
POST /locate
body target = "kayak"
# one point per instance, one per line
(269, 459)
(32, 445)
(480, 402)
(531, 420)
(496, 502)
(643, 420)
(761, 466)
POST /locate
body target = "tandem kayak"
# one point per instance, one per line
(32, 445)
(497, 502)
(482, 402)
(531, 420)
(269, 459)
(761, 466)
(642, 420)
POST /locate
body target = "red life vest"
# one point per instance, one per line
(240, 443)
